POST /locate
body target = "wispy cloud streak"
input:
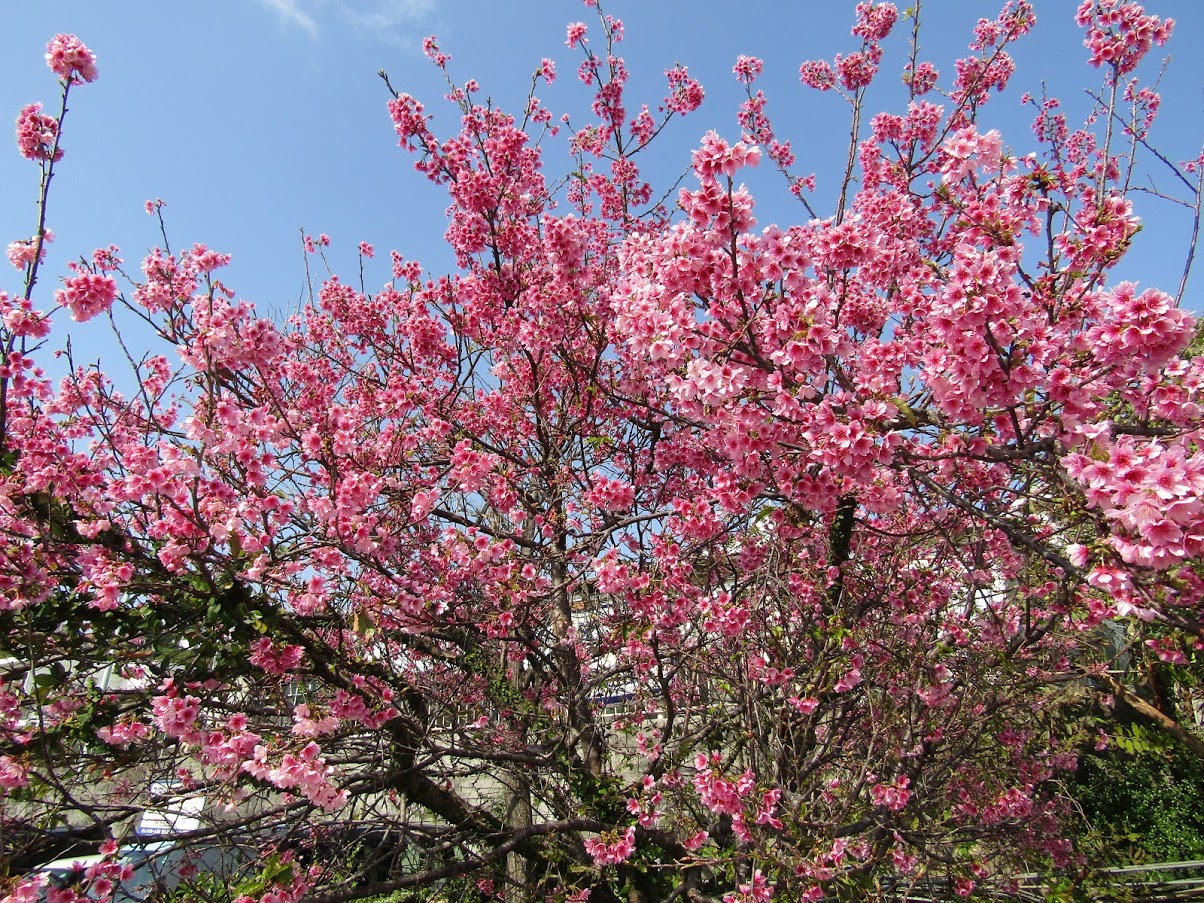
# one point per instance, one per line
(389, 19)
(292, 14)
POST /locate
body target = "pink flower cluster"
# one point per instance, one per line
(98, 880)
(430, 47)
(685, 93)
(1013, 803)
(70, 60)
(1138, 330)
(20, 253)
(722, 615)
(469, 467)
(718, 793)
(967, 150)
(758, 890)
(646, 806)
(206, 260)
(13, 773)
(275, 658)
(893, 796)
(306, 725)
(409, 120)
(858, 69)
(1152, 494)
(87, 295)
(576, 34)
(817, 74)
(615, 851)
(610, 494)
(715, 157)
(30, 889)
(312, 244)
(176, 715)
(228, 750)
(748, 68)
(1119, 33)
(875, 21)
(709, 383)
(123, 733)
(305, 772)
(923, 78)
(21, 319)
(104, 576)
(37, 134)
(1167, 651)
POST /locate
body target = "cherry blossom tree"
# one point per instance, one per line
(654, 553)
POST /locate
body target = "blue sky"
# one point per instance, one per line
(253, 119)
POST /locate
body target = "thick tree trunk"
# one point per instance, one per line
(518, 817)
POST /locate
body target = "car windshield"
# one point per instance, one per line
(64, 876)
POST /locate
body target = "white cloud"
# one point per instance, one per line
(291, 13)
(393, 21)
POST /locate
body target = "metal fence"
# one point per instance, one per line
(1157, 882)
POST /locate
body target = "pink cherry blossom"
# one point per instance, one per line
(576, 34)
(1120, 33)
(614, 852)
(748, 68)
(38, 134)
(21, 253)
(87, 295)
(685, 93)
(70, 60)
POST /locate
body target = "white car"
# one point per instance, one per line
(154, 868)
